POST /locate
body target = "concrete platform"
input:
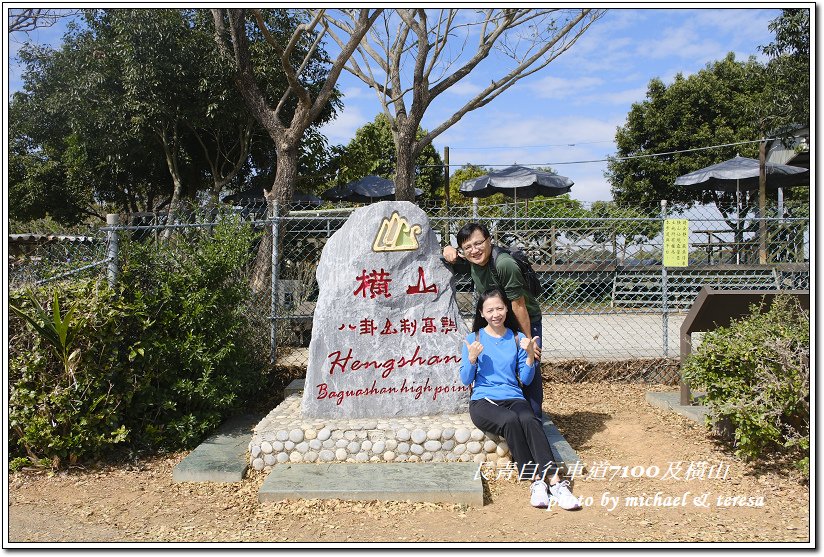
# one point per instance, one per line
(672, 402)
(435, 482)
(221, 458)
(565, 455)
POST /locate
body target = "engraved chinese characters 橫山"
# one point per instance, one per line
(386, 329)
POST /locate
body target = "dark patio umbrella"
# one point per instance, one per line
(741, 174)
(365, 190)
(517, 181)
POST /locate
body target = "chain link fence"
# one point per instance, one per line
(611, 309)
(38, 258)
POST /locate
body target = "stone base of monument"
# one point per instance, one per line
(284, 436)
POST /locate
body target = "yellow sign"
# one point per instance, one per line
(676, 243)
(396, 234)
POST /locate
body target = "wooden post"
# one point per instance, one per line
(447, 228)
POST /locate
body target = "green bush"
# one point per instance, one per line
(61, 412)
(156, 365)
(756, 373)
(564, 290)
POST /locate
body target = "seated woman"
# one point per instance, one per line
(493, 361)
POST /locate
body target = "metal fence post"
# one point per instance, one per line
(664, 301)
(274, 284)
(112, 220)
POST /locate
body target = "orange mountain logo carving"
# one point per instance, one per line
(396, 234)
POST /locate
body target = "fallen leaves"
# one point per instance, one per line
(602, 421)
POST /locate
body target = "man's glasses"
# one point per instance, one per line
(474, 246)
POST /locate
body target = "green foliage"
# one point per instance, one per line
(719, 105)
(789, 68)
(160, 362)
(137, 99)
(564, 290)
(58, 331)
(57, 414)
(372, 152)
(757, 376)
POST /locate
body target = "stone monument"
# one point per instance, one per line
(382, 384)
(387, 333)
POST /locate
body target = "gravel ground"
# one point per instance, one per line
(615, 432)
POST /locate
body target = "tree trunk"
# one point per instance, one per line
(170, 150)
(404, 171)
(287, 169)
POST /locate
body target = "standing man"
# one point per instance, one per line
(503, 272)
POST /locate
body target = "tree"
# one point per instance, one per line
(311, 86)
(65, 119)
(293, 39)
(415, 55)
(137, 108)
(29, 19)
(718, 106)
(131, 101)
(626, 226)
(191, 109)
(39, 186)
(789, 68)
(372, 151)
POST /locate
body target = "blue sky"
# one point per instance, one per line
(568, 111)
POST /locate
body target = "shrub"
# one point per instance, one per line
(564, 291)
(757, 376)
(152, 366)
(197, 362)
(60, 412)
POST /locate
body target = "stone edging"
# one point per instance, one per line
(286, 436)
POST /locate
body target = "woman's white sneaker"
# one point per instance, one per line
(539, 497)
(563, 497)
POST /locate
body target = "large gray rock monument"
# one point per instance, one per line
(386, 334)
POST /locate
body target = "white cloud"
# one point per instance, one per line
(357, 91)
(465, 88)
(552, 87)
(623, 97)
(341, 130)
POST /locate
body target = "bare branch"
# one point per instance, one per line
(283, 54)
(440, 41)
(29, 19)
(424, 44)
(524, 69)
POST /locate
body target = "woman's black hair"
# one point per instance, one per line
(479, 322)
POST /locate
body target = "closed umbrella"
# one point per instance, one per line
(365, 190)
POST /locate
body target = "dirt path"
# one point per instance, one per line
(610, 425)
